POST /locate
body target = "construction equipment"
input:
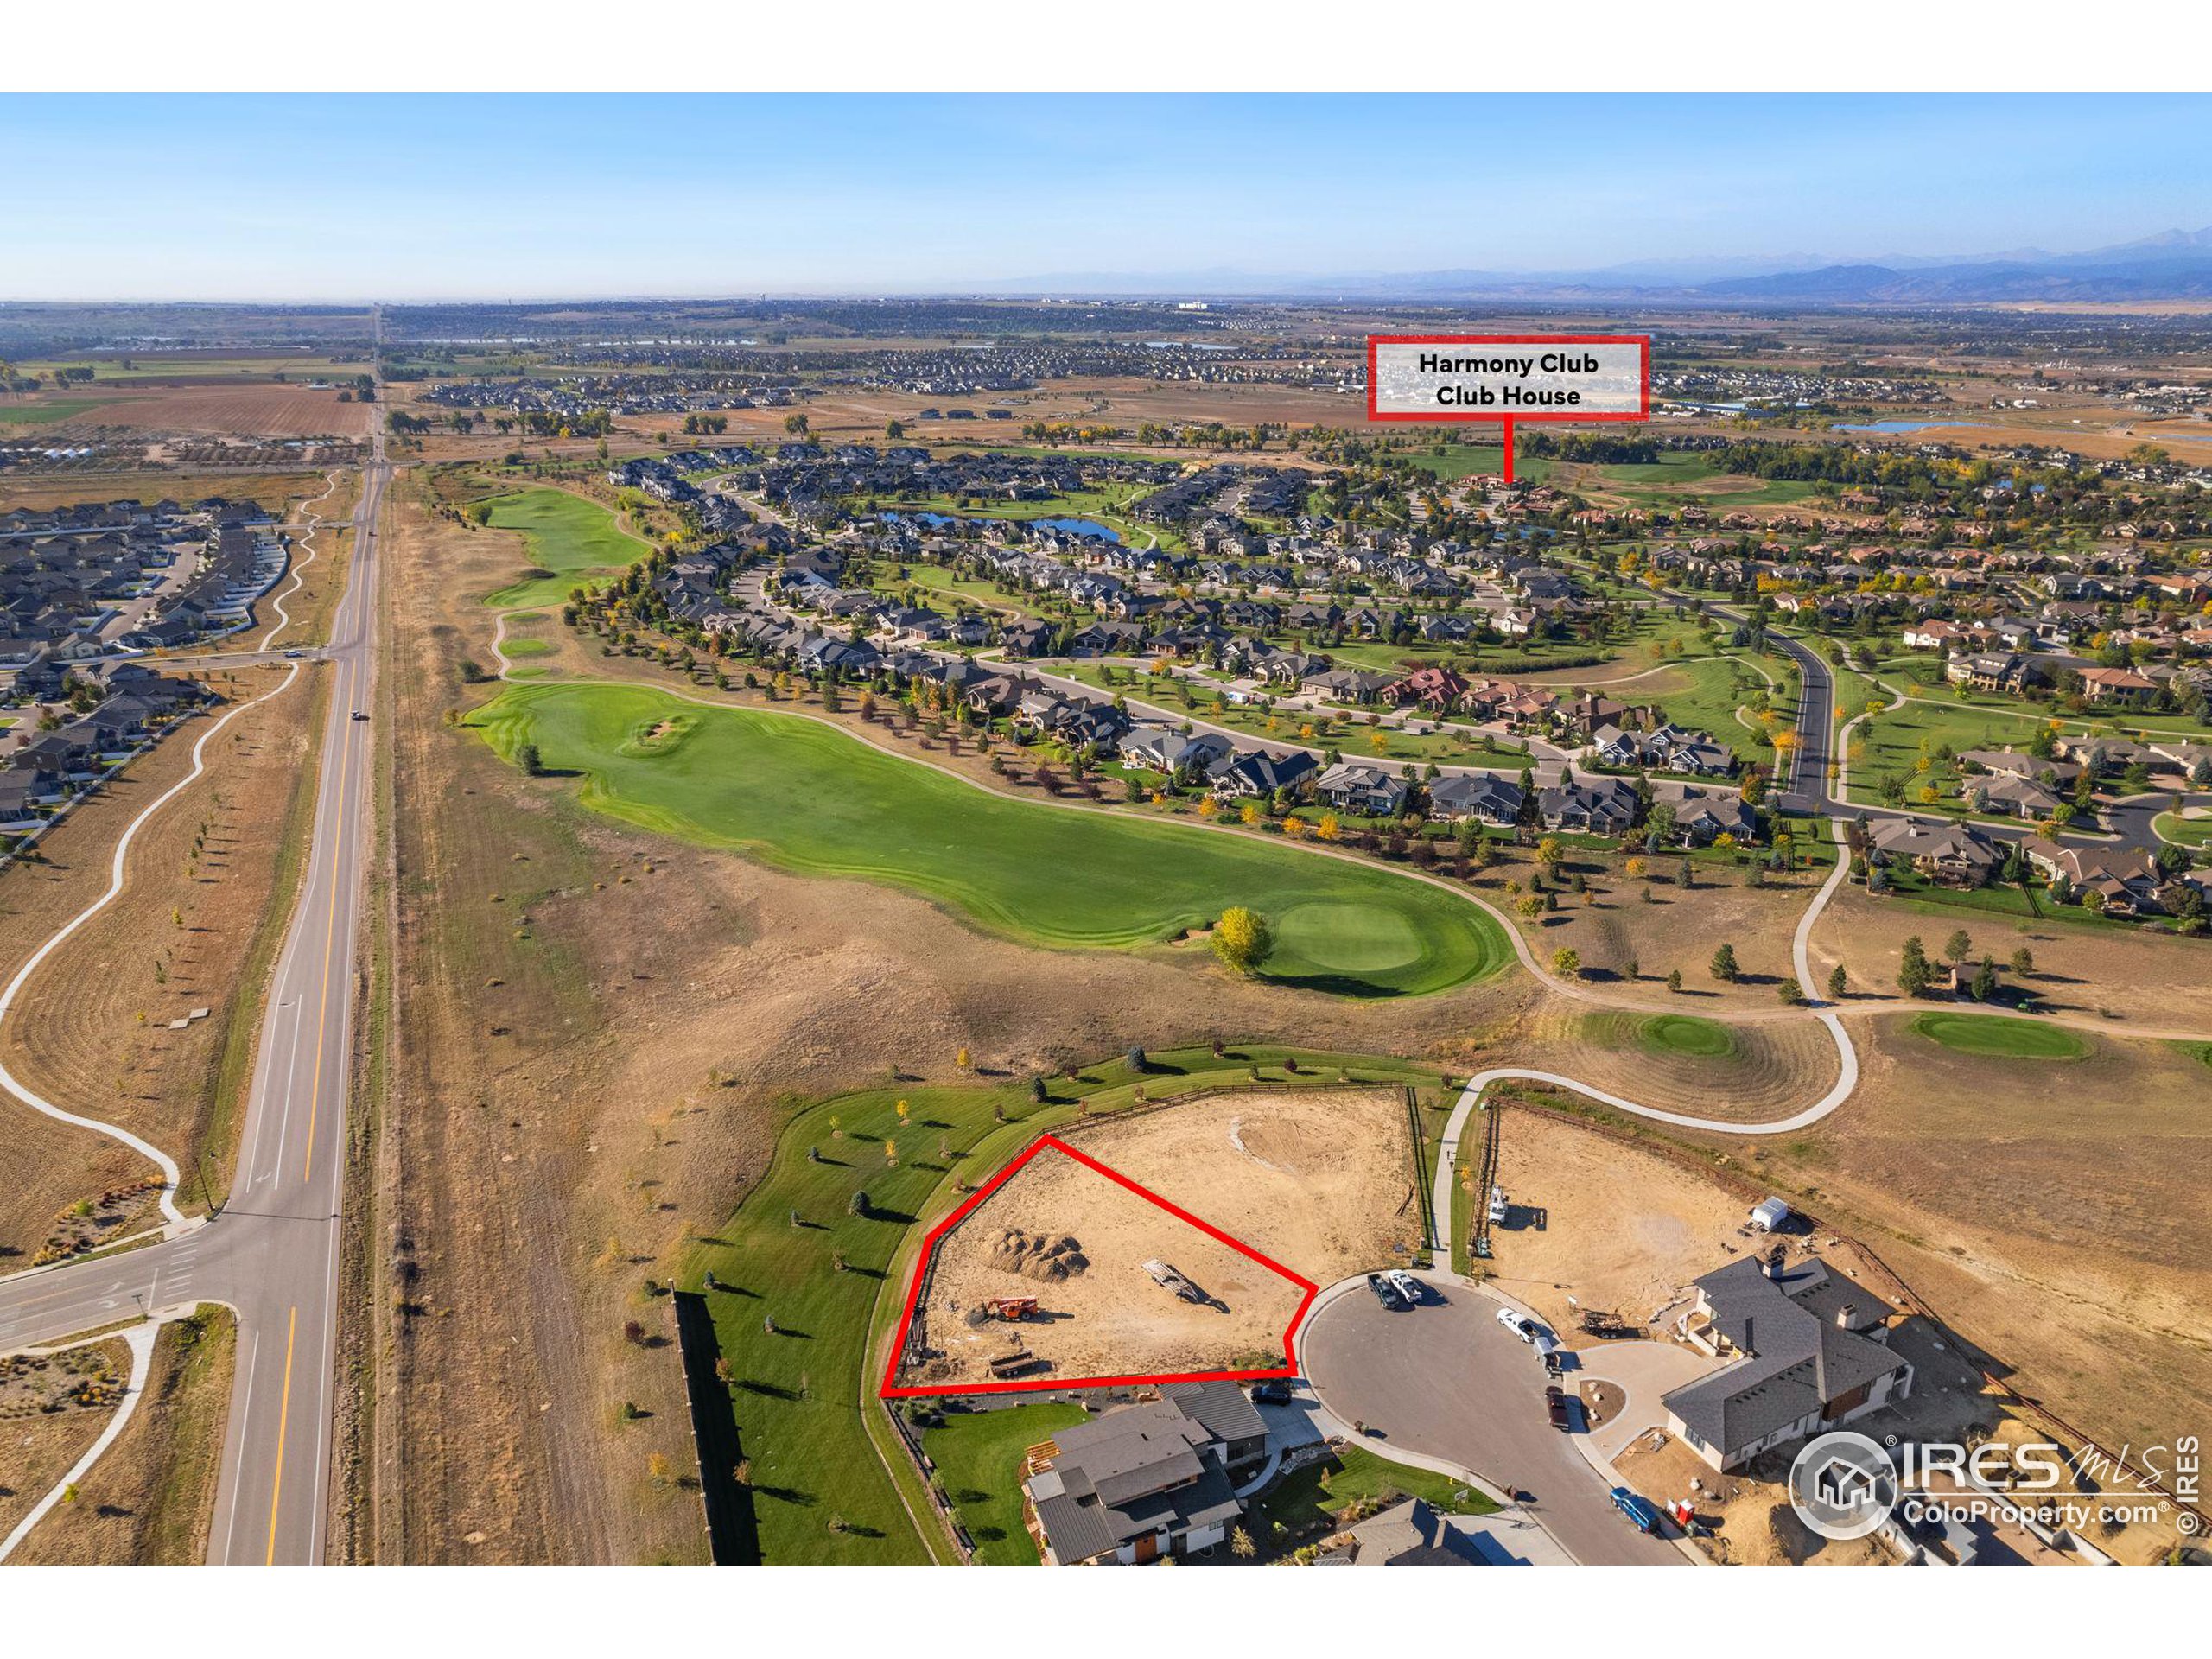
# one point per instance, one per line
(1017, 1362)
(1010, 1307)
(1167, 1278)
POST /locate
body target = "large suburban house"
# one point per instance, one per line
(1808, 1350)
(1352, 786)
(1955, 855)
(1146, 1481)
(1483, 796)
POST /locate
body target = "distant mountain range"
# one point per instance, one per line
(2172, 265)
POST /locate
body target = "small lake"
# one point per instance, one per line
(1913, 426)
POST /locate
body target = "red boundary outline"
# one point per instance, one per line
(892, 1389)
(1642, 341)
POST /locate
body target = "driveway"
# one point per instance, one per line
(1644, 1371)
(1445, 1379)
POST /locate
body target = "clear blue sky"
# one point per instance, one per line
(405, 197)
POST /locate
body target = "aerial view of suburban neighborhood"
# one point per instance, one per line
(833, 876)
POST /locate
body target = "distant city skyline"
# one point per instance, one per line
(329, 198)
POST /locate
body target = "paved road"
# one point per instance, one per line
(1449, 1381)
(272, 1254)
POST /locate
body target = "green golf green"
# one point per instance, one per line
(571, 540)
(807, 796)
(1998, 1038)
(1686, 1035)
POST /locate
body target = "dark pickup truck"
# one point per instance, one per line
(1556, 1407)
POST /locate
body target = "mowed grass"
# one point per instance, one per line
(806, 1343)
(571, 540)
(1306, 1502)
(1995, 1037)
(978, 1457)
(46, 414)
(1683, 1036)
(808, 797)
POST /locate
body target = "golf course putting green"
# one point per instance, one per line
(806, 796)
(1996, 1037)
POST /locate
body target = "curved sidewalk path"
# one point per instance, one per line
(117, 875)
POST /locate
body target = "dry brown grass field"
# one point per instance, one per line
(203, 904)
(271, 489)
(44, 1431)
(151, 1499)
(2152, 981)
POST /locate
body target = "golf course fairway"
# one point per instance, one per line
(805, 797)
(570, 541)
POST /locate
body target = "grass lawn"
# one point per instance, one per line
(525, 647)
(2186, 832)
(1711, 690)
(1995, 1037)
(1306, 1502)
(978, 1458)
(808, 797)
(805, 1391)
(1665, 1034)
(570, 541)
(1454, 461)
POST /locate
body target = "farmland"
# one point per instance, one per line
(805, 797)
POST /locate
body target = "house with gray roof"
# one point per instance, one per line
(1808, 1351)
(1129, 1487)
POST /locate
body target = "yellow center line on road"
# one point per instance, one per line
(283, 1420)
(330, 923)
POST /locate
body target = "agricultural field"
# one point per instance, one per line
(257, 409)
(568, 540)
(805, 797)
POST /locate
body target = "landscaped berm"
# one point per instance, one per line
(807, 796)
(1064, 1271)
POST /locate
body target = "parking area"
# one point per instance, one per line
(1445, 1379)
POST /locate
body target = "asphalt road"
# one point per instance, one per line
(1448, 1380)
(272, 1253)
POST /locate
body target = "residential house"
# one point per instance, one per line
(1132, 1486)
(1483, 796)
(1369, 791)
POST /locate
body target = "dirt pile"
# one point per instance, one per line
(1035, 1255)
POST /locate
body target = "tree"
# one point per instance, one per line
(1985, 981)
(1724, 964)
(1674, 980)
(1959, 946)
(1241, 1545)
(1838, 982)
(2024, 962)
(528, 758)
(1566, 962)
(1243, 939)
(1789, 991)
(1914, 974)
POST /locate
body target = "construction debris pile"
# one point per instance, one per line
(1034, 1256)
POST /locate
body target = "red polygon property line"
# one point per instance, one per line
(893, 1389)
(1642, 342)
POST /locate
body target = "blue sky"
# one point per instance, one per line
(407, 197)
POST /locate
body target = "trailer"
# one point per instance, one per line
(1167, 1278)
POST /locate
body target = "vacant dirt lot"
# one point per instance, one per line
(1321, 1179)
(1614, 1227)
(1110, 1319)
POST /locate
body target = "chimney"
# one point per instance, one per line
(1845, 1314)
(1748, 1322)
